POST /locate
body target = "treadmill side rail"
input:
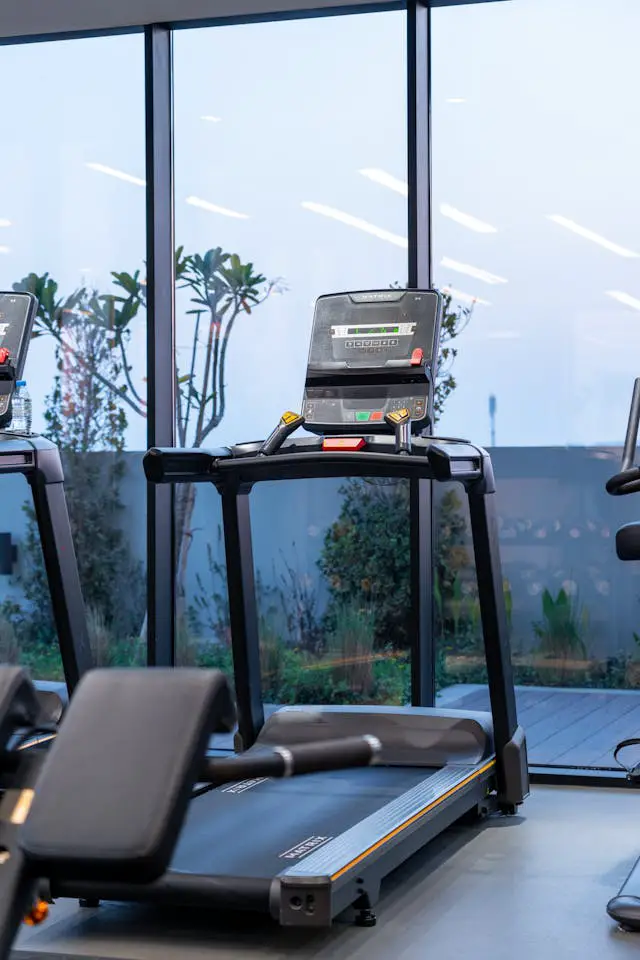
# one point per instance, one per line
(348, 870)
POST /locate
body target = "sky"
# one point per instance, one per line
(291, 151)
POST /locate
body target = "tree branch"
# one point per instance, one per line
(192, 372)
(197, 440)
(127, 368)
(103, 380)
(216, 419)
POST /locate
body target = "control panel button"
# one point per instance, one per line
(289, 418)
(376, 415)
(398, 416)
(416, 357)
(362, 416)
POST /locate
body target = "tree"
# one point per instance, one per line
(222, 288)
(83, 415)
(454, 321)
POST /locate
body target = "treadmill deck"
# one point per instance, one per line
(266, 844)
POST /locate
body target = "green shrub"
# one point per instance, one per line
(350, 646)
(561, 630)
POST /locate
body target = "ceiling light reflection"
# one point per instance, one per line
(356, 222)
(464, 297)
(386, 180)
(211, 119)
(470, 271)
(590, 235)
(466, 220)
(5, 223)
(118, 174)
(214, 208)
(625, 298)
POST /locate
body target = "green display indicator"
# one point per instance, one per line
(362, 415)
(364, 331)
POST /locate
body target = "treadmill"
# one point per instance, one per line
(308, 849)
(38, 460)
(624, 908)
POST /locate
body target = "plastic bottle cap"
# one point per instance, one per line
(21, 383)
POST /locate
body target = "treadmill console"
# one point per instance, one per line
(371, 353)
(17, 313)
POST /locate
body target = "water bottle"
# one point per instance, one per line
(21, 409)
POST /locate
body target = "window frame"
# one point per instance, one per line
(157, 20)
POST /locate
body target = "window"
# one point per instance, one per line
(290, 183)
(72, 212)
(535, 131)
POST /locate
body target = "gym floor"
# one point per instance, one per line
(526, 887)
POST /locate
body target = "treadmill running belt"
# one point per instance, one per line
(275, 823)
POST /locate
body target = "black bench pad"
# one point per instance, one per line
(114, 789)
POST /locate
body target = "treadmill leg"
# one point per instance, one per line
(365, 917)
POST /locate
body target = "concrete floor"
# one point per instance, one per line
(529, 887)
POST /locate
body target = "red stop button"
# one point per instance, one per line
(416, 357)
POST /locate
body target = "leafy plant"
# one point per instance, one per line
(222, 288)
(455, 319)
(93, 332)
(562, 628)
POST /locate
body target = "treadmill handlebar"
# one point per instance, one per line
(631, 437)
(293, 761)
(169, 465)
(628, 480)
(444, 459)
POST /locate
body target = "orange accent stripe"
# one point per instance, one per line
(413, 819)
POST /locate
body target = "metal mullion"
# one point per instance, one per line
(160, 339)
(421, 510)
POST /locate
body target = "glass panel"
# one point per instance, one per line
(284, 191)
(536, 243)
(333, 590)
(72, 210)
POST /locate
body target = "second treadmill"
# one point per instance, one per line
(306, 850)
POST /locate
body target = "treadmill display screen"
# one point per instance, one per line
(356, 332)
(371, 353)
(14, 313)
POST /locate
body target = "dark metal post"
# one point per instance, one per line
(419, 275)
(631, 438)
(61, 568)
(423, 687)
(419, 143)
(160, 339)
(486, 546)
(243, 611)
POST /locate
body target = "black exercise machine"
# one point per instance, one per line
(625, 906)
(306, 851)
(78, 810)
(38, 460)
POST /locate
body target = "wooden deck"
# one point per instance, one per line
(564, 726)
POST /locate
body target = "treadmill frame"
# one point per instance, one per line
(235, 475)
(39, 461)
